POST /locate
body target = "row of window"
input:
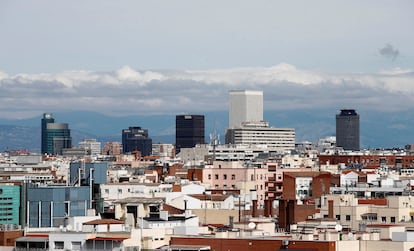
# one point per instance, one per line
(216, 176)
(233, 177)
(374, 219)
(5, 219)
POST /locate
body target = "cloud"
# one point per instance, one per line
(129, 91)
(389, 52)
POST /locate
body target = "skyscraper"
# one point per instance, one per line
(189, 131)
(55, 136)
(136, 139)
(347, 129)
(245, 106)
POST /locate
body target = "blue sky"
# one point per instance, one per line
(159, 55)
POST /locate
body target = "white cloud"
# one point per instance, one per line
(129, 91)
(126, 73)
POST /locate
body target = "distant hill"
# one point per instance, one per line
(378, 129)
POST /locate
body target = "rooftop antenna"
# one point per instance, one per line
(214, 141)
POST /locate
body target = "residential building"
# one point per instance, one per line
(164, 151)
(244, 106)
(347, 129)
(299, 192)
(189, 131)
(55, 136)
(136, 139)
(91, 146)
(112, 148)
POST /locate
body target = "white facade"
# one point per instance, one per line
(116, 191)
(91, 146)
(262, 134)
(245, 106)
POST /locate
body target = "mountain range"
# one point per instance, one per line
(378, 129)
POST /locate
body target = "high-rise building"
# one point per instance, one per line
(347, 129)
(245, 106)
(55, 136)
(189, 131)
(136, 139)
(92, 146)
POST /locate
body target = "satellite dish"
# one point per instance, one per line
(338, 227)
(251, 225)
(69, 227)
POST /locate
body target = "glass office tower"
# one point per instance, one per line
(189, 131)
(55, 136)
(347, 129)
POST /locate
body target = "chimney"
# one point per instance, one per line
(231, 222)
(254, 208)
(330, 209)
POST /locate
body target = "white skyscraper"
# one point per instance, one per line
(245, 106)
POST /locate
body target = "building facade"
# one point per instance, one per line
(50, 206)
(9, 204)
(347, 129)
(259, 133)
(91, 146)
(245, 105)
(136, 139)
(189, 131)
(55, 136)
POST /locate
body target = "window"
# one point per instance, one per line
(383, 219)
(76, 245)
(209, 176)
(106, 190)
(233, 176)
(224, 176)
(393, 219)
(59, 245)
(252, 177)
(325, 216)
(216, 176)
(338, 217)
(348, 217)
(119, 190)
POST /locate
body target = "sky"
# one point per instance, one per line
(183, 56)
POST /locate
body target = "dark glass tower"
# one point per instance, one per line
(347, 129)
(136, 139)
(55, 136)
(189, 131)
(47, 118)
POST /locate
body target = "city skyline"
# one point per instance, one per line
(162, 58)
